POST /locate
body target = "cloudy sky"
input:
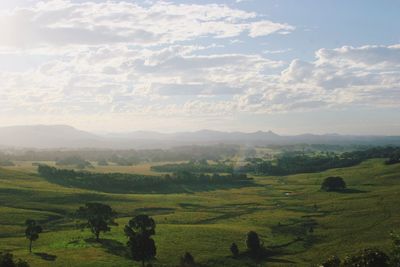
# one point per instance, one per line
(284, 65)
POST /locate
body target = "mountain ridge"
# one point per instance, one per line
(65, 136)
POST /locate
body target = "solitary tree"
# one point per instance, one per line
(139, 231)
(187, 260)
(98, 217)
(235, 250)
(253, 243)
(333, 183)
(32, 232)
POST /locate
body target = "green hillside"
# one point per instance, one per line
(281, 209)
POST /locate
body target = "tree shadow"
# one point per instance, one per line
(264, 255)
(352, 191)
(111, 246)
(46, 256)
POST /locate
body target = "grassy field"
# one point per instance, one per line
(280, 209)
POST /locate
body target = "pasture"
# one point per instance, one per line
(281, 209)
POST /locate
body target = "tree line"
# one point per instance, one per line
(125, 182)
(300, 162)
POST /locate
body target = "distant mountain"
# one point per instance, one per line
(47, 136)
(63, 136)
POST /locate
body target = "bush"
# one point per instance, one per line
(332, 261)
(187, 260)
(7, 260)
(235, 250)
(333, 183)
(367, 258)
(253, 243)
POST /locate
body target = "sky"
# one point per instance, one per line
(320, 66)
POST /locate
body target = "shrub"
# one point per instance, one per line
(367, 258)
(187, 260)
(235, 250)
(253, 243)
(332, 261)
(333, 183)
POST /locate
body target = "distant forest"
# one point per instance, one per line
(300, 162)
(124, 182)
(126, 157)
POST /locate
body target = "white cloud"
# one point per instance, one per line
(61, 22)
(266, 27)
(165, 59)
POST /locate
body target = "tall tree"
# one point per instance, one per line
(32, 232)
(139, 231)
(253, 243)
(98, 217)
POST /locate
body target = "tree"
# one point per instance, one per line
(7, 260)
(99, 217)
(187, 260)
(139, 231)
(32, 232)
(253, 243)
(235, 250)
(367, 258)
(333, 183)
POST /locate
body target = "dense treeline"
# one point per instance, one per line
(129, 157)
(124, 182)
(197, 166)
(300, 162)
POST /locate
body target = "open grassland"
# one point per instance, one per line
(281, 209)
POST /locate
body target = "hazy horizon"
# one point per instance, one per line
(171, 66)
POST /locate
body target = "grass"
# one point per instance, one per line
(280, 209)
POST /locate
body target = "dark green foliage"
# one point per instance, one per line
(253, 243)
(199, 166)
(139, 231)
(395, 252)
(333, 183)
(332, 261)
(32, 232)
(235, 250)
(394, 158)
(7, 260)
(98, 217)
(298, 162)
(367, 258)
(124, 182)
(187, 260)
